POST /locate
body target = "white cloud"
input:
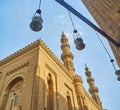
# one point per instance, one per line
(61, 19)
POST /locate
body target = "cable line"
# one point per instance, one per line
(71, 20)
(39, 4)
(117, 72)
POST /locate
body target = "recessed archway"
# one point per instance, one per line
(12, 94)
(50, 96)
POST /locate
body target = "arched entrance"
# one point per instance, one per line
(12, 94)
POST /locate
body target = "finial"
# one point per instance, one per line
(88, 73)
(63, 33)
(86, 68)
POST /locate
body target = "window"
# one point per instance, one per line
(69, 103)
(50, 96)
(11, 98)
(15, 99)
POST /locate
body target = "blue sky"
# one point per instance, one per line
(15, 16)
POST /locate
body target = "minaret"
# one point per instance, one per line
(66, 56)
(80, 92)
(92, 88)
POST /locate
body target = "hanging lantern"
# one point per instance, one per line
(36, 23)
(78, 40)
(79, 43)
(117, 72)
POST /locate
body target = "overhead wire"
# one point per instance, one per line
(111, 59)
(71, 20)
(117, 72)
(39, 4)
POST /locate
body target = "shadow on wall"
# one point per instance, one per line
(43, 96)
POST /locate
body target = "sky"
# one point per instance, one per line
(15, 33)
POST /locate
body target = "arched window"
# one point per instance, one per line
(69, 102)
(50, 95)
(10, 99)
(16, 99)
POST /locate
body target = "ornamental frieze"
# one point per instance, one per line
(18, 68)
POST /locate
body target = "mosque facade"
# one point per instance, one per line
(33, 78)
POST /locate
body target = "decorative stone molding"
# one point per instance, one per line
(91, 99)
(37, 43)
(52, 55)
(78, 79)
(20, 52)
(18, 68)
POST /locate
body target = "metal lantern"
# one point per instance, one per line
(36, 23)
(79, 43)
(118, 74)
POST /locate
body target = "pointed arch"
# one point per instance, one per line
(50, 95)
(69, 102)
(11, 96)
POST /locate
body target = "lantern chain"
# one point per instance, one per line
(78, 41)
(71, 20)
(36, 23)
(39, 4)
(111, 60)
(75, 30)
(38, 11)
